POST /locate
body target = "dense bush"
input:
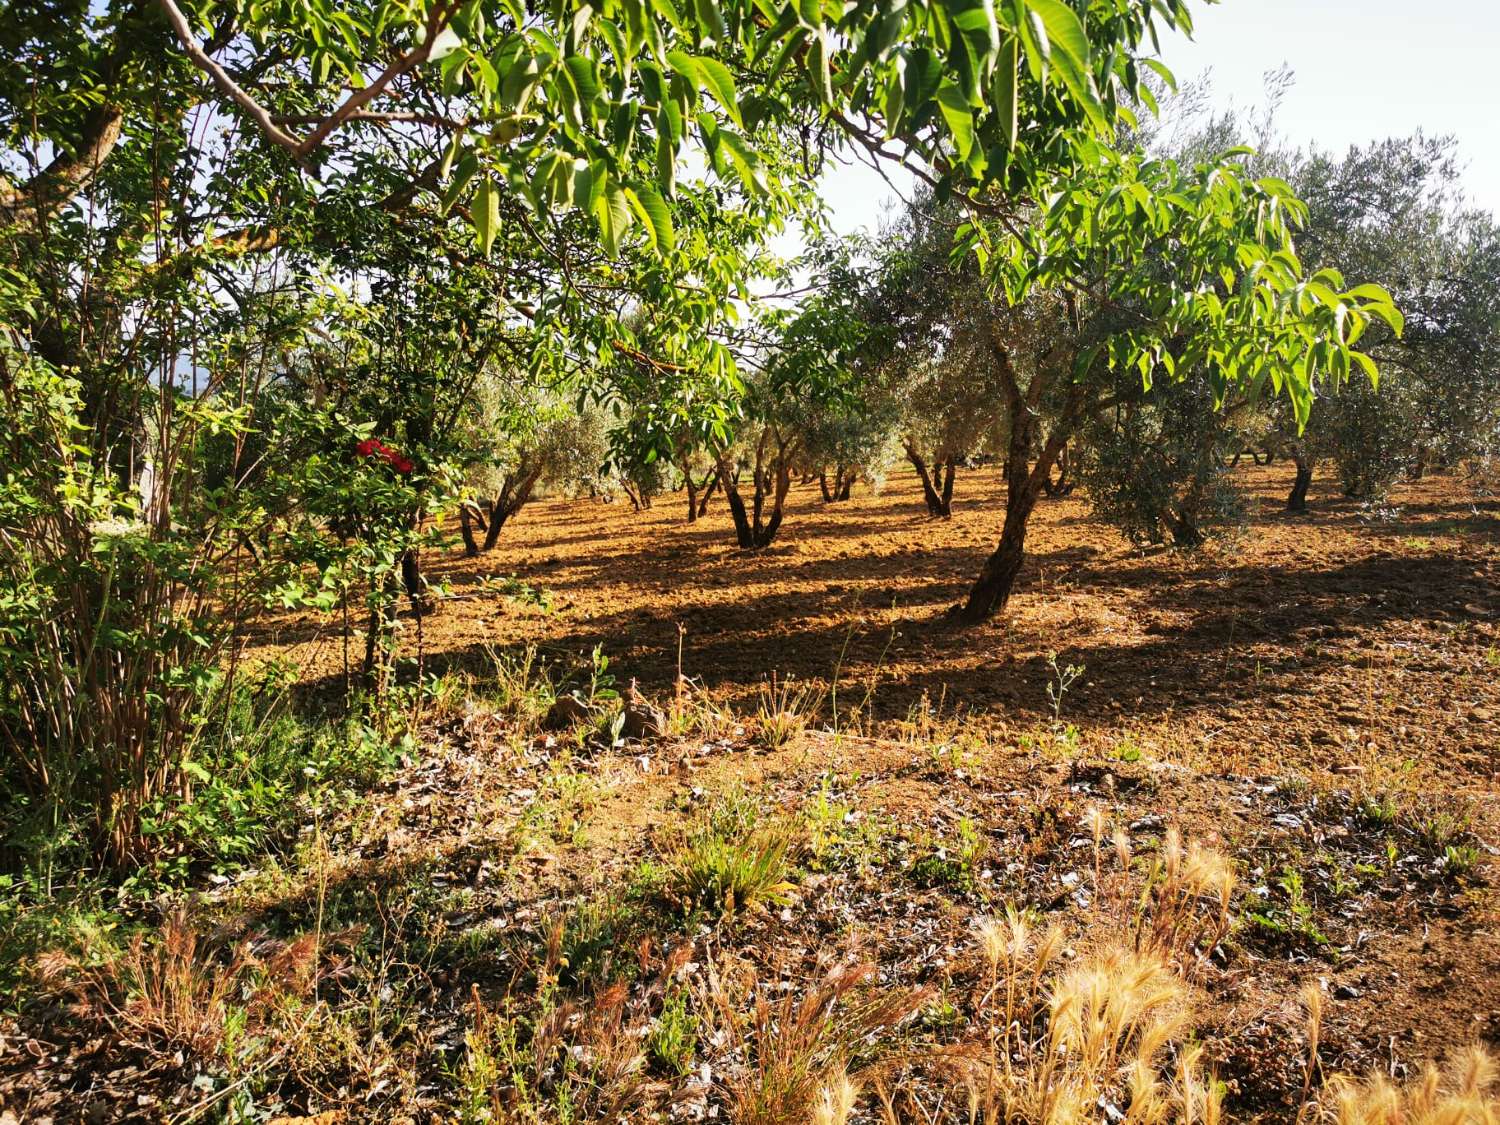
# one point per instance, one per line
(1156, 467)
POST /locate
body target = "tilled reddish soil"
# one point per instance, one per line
(1351, 636)
(1268, 696)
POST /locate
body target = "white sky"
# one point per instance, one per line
(1365, 70)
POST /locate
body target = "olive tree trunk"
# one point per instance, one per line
(515, 492)
(1024, 479)
(756, 525)
(1296, 500)
(937, 482)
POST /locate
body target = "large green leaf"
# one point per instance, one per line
(1064, 29)
(654, 214)
(486, 215)
(612, 210)
(720, 85)
(1006, 89)
(975, 20)
(959, 118)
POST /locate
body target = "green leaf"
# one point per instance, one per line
(711, 26)
(924, 71)
(1162, 72)
(1080, 83)
(744, 160)
(486, 215)
(519, 82)
(822, 76)
(612, 210)
(467, 166)
(1006, 90)
(959, 119)
(1064, 29)
(965, 68)
(975, 20)
(720, 84)
(686, 65)
(624, 62)
(654, 214)
(585, 74)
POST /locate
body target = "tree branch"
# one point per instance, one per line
(227, 85)
(436, 23)
(352, 106)
(42, 196)
(437, 120)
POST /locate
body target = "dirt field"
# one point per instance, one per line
(1319, 701)
(1315, 642)
(1254, 693)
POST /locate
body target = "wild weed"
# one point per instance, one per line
(1063, 677)
(954, 864)
(727, 874)
(176, 996)
(1180, 907)
(731, 859)
(1061, 1043)
(1291, 920)
(562, 1064)
(1463, 1093)
(523, 685)
(673, 1039)
(1312, 1002)
(1184, 911)
(693, 712)
(835, 1101)
(590, 936)
(839, 836)
(797, 1051)
(1460, 859)
(785, 709)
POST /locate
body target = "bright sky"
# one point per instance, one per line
(1365, 70)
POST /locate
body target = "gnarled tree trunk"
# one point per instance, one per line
(997, 578)
(756, 526)
(843, 483)
(937, 482)
(1062, 486)
(1183, 528)
(1023, 480)
(1296, 500)
(514, 492)
(699, 492)
(468, 516)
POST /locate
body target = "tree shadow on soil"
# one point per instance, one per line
(1188, 652)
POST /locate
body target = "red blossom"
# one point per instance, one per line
(374, 447)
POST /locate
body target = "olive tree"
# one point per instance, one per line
(1142, 265)
(534, 437)
(846, 438)
(1157, 465)
(1394, 210)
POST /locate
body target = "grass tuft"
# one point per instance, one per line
(785, 709)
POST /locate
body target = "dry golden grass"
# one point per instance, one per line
(798, 1049)
(1462, 1094)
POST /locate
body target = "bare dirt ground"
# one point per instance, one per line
(1358, 645)
(1313, 641)
(1318, 700)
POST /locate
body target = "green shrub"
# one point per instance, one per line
(1154, 468)
(729, 860)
